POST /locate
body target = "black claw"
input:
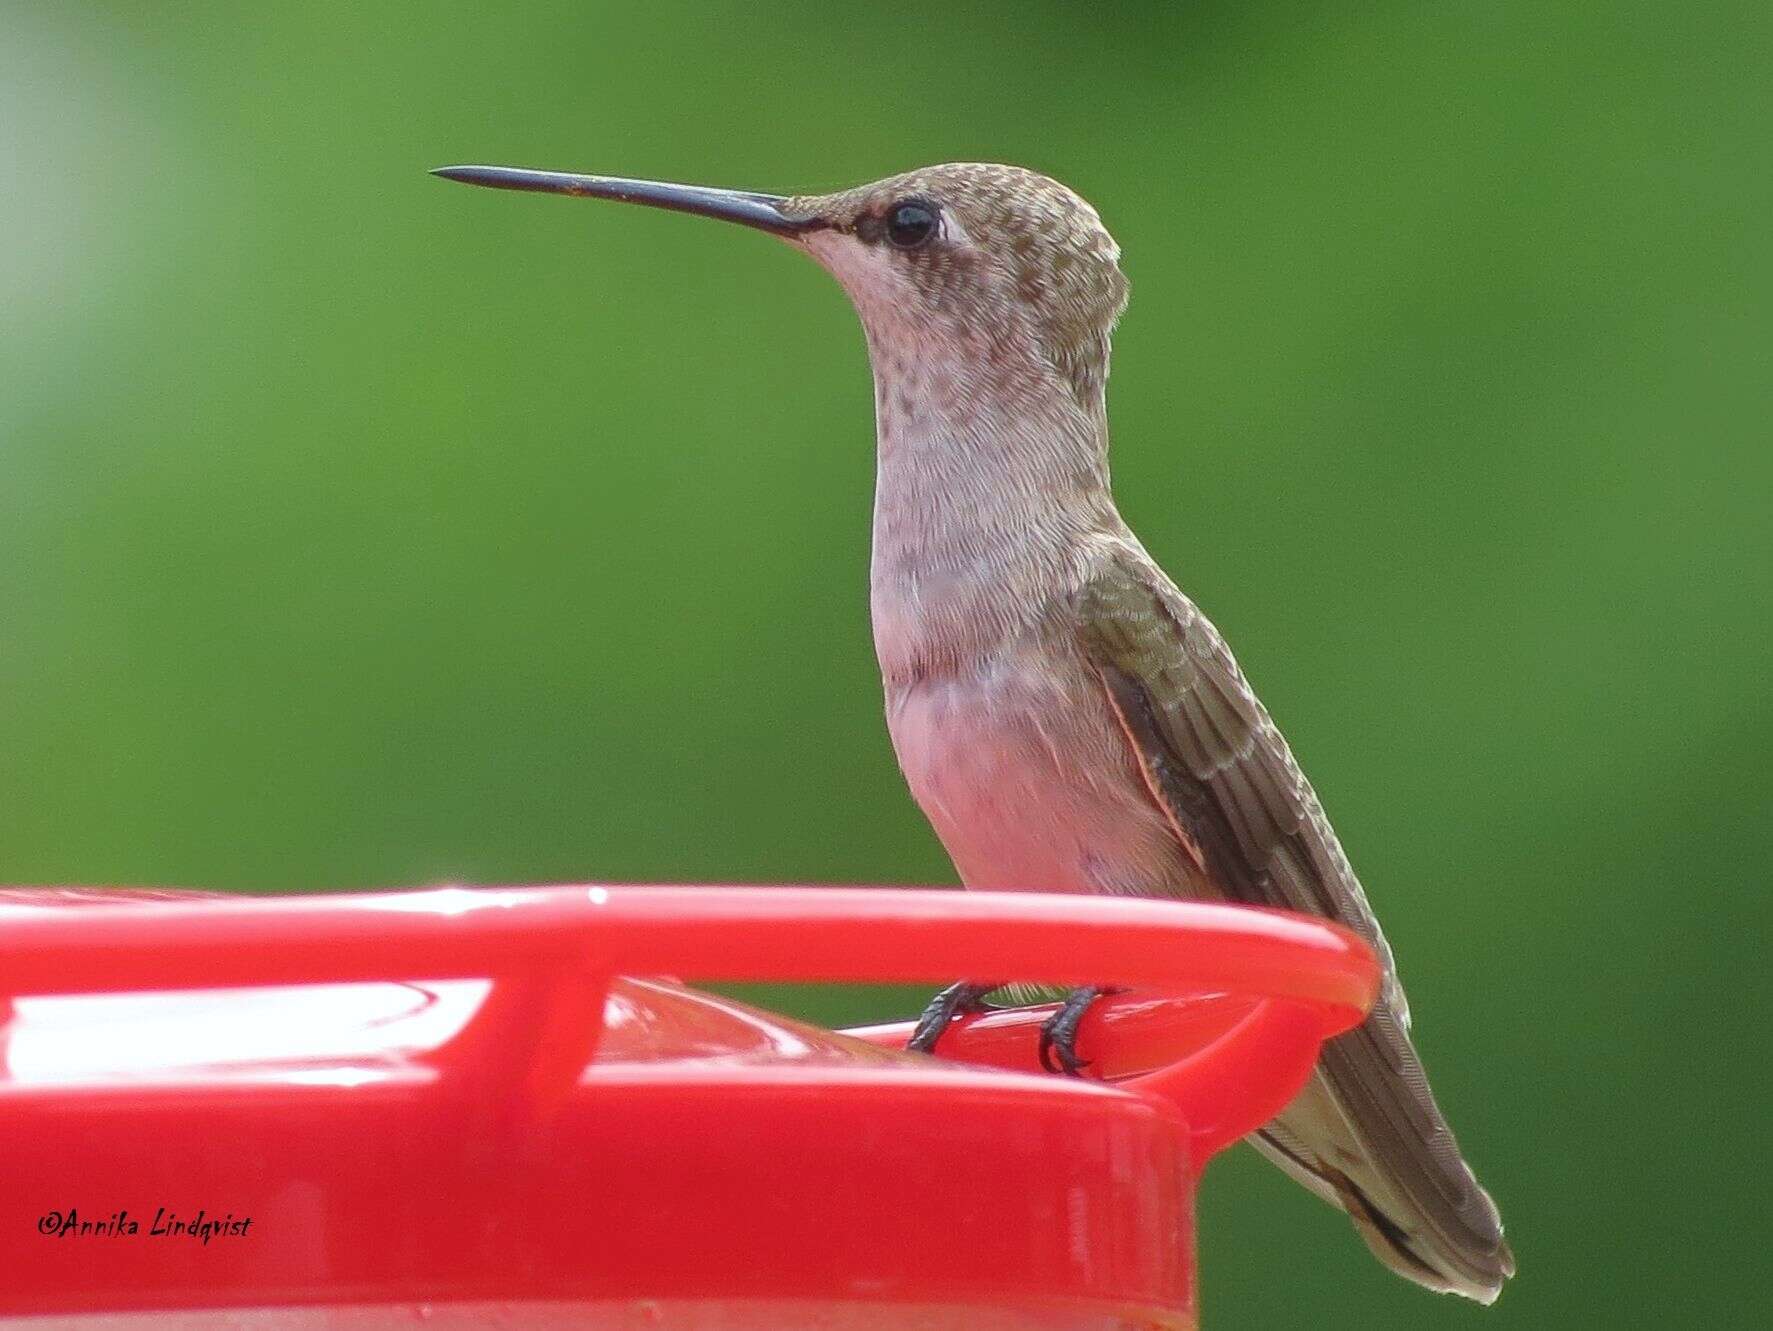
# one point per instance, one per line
(1058, 1034)
(956, 1000)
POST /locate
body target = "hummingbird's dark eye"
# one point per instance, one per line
(910, 224)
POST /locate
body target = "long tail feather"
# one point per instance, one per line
(1366, 1135)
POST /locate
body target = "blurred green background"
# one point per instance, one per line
(360, 529)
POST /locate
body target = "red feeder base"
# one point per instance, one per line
(356, 1110)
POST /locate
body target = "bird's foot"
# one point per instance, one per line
(1058, 1034)
(954, 1001)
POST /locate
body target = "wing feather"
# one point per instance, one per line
(1366, 1132)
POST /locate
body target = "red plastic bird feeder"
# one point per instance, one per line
(462, 1106)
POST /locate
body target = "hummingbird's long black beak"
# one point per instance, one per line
(766, 212)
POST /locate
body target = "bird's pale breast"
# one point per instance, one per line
(1021, 767)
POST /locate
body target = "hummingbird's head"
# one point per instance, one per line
(968, 264)
(966, 257)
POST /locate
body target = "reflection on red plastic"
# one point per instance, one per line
(448, 1100)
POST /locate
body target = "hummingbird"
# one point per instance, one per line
(1066, 718)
